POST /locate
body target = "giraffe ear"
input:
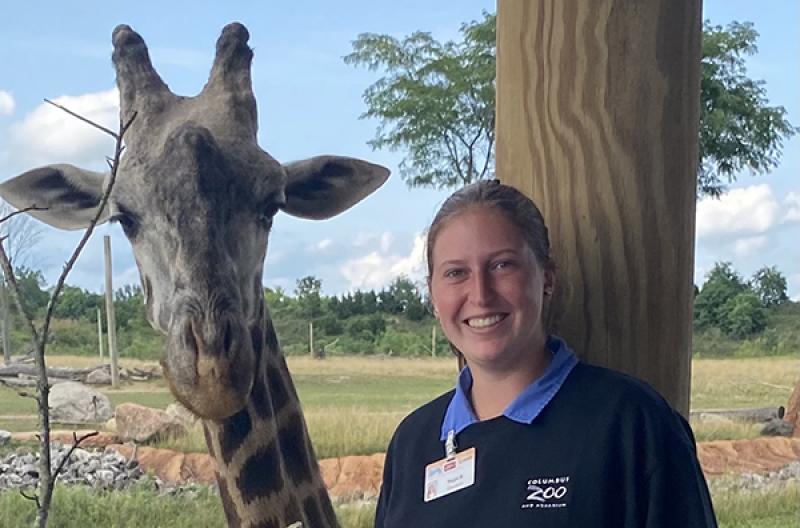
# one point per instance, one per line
(61, 196)
(324, 186)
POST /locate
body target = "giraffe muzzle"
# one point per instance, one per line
(210, 366)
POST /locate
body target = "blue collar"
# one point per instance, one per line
(527, 405)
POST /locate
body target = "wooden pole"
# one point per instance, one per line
(111, 323)
(597, 121)
(100, 333)
(433, 341)
(311, 338)
(5, 320)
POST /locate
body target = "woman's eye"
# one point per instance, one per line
(503, 264)
(453, 273)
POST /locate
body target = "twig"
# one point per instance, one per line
(778, 387)
(20, 211)
(87, 121)
(75, 443)
(34, 498)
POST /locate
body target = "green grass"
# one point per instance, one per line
(78, 507)
(773, 508)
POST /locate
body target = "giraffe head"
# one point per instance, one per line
(196, 196)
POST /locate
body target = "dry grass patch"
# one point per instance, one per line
(742, 383)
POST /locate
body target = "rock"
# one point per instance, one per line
(793, 409)
(143, 424)
(353, 477)
(171, 466)
(111, 425)
(5, 437)
(778, 427)
(181, 414)
(72, 402)
(99, 376)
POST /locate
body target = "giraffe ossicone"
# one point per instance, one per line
(196, 196)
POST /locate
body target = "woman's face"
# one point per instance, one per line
(488, 289)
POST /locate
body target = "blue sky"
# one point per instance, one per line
(309, 103)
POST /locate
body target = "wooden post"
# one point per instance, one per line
(111, 322)
(100, 333)
(5, 320)
(311, 338)
(433, 341)
(597, 121)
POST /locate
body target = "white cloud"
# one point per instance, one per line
(378, 268)
(7, 103)
(745, 247)
(792, 203)
(50, 135)
(322, 245)
(750, 210)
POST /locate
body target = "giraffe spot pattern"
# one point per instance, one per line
(259, 399)
(293, 513)
(234, 431)
(251, 481)
(227, 503)
(313, 512)
(277, 388)
(295, 450)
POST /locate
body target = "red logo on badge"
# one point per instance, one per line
(450, 465)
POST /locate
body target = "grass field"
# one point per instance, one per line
(353, 405)
(75, 507)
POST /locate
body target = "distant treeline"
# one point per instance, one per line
(732, 317)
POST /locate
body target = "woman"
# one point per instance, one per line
(530, 436)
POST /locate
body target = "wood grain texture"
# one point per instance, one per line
(597, 121)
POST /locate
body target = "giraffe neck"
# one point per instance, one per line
(266, 469)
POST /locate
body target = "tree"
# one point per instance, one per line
(743, 316)
(436, 101)
(308, 297)
(722, 285)
(738, 129)
(770, 286)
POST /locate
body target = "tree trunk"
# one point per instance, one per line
(597, 121)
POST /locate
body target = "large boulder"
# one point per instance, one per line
(143, 424)
(100, 376)
(5, 437)
(181, 414)
(73, 402)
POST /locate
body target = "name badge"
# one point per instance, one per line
(450, 474)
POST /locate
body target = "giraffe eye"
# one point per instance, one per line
(127, 221)
(269, 211)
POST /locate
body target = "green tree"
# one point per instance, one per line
(770, 286)
(738, 128)
(436, 101)
(722, 284)
(743, 316)
(309, 299)
(34, 298)
(76, 303)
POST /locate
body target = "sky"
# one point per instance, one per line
(309, 104)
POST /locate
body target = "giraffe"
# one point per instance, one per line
(196, 197)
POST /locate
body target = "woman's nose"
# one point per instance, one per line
(481, 291)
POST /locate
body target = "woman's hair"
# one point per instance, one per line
(518, 208)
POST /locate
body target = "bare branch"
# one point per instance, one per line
(85, 120)
(34, 498)
(89, 230)
(46, 476)
(20, 211)
(75, 443)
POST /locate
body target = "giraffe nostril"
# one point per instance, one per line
(228, 336)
